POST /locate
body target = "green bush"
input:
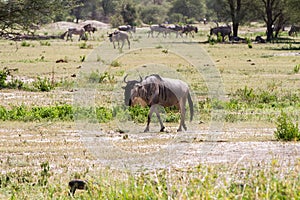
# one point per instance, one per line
(104, 114)
(296, 68)
(3, 76)
(43, 85)
(23, 113)
(286, 130)
(115, 63)
(138, 114)
(25, 44)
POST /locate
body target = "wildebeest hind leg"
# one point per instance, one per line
(152, 109)
(162, 127)
(182, 118)
(128, 43)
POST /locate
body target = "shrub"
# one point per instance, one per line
(25, 44)
(116, 20)
(138, 114)
(104, 114)
(115, 63)
(297, 68)
(43, 85)
(3, 76)
(286, 130)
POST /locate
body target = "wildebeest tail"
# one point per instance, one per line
(62, 36)
(191, 106)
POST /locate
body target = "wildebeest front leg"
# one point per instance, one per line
(128, 43)
(153, 108)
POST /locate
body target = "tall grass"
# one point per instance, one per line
(201, 182)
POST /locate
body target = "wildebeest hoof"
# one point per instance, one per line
(179, 130)
(162, 129)
(146, 130)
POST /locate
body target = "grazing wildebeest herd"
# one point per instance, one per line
(157, 91)
(122, 31)
(166, 29)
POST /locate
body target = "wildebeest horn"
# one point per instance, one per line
(141, 79)
(125, 79)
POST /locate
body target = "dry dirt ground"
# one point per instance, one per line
(24, 146)
(72, 147)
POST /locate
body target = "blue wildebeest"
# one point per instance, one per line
(157, 91)
(190, 29)
(118, 36)
(174, 28)
(74, 31)
(294, 29)
(159, 28)
(127, 28)
(222, 31)
(89, 28)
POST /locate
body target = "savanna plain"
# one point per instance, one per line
(62, 117)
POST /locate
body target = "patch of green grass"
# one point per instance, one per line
(43, 85)
(85, 46)
(36, 113)
(25, 44)
(200, 182)
(45, 43)
(97, 77)
(138, 114)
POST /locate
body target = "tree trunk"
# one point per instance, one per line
(235, 29)
(269, 21)
(235, 8)
(272, 12)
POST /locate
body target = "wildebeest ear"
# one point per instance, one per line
(123, 87)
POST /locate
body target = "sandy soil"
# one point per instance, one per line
(69, 148)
